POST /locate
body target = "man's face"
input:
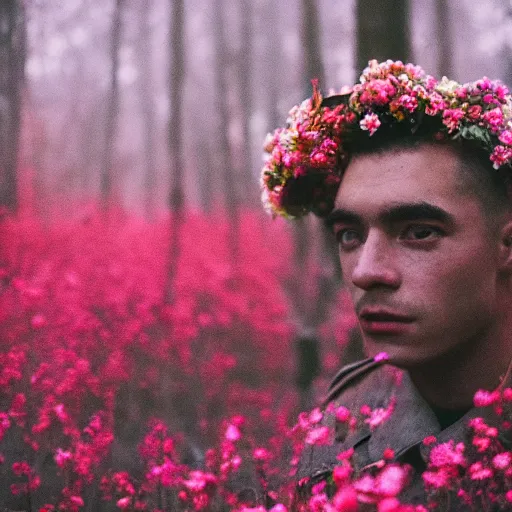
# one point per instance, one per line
(416, 254)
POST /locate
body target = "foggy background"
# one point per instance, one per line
(101, 77)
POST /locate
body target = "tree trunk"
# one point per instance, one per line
(112, 108)
(272, 56)
(229, 177)
(311, 43)
(382, 31)
(508, 52)
(12, 62)
(145, 92)
(314, 68)
(245, 81)
(307, 343)
(205, 170)
(444, 42)
(175, 137)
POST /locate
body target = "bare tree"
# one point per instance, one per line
(112, 107)
(245, 81)
(508, 71)
(272, 55)
(12, 61)
(382, 31)
(311, 43)
(205, 168)
(145, 92)
(175, 137)
(308, 309)
(444, 42)
(230, 180)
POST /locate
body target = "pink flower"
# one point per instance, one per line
(461, 93)
(446, 454)
(381, 415)
(389, 505)
(427, 441)
(319, 159)
(381, 357)
(493, 118)
(60, 412)
(478, 425)
(484, 84)
(501, 91)
(342, 414)
(260, 454)
(345, 455)
(481, 443)
(21, 468)
(365, 410)
(500, 156)
(292, 158)
(319, 487)
(391, 480)
(502, 460)
(278, 508)
(124, 502)
(484, 398)
(299, 171)
(452, 117)
(232, 433)
(410, 103)
(478, 472)
(315, 416)
(346, 499)
(437, 479)
(474, 112)
(318, 436)
(489, 98)
(341, 474)
(507, 394)
(506, 137)
(38, 321)
(389, 454)
(370, 123)
(61, 457)
(77, 501)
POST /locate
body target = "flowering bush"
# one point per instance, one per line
(113, 399)
(91, 352)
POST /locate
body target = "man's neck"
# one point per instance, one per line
(451, 381)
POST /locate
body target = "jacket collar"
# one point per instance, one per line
(413, 420)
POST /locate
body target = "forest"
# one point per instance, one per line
(160, 332)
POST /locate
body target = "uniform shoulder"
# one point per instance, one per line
(350, 374)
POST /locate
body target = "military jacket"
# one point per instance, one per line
(374, 384)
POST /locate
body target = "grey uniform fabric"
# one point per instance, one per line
(412, 420)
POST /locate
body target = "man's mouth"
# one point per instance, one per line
(376, 321)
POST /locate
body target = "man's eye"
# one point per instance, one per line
(348, 238)
(419, 233)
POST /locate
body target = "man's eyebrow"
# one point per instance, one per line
(342, 215)
(395, 213)
(415, 211)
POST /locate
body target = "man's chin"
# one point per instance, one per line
(403, 355)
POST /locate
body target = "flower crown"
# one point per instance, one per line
(306, 159)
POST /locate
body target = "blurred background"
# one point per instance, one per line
(139, 276)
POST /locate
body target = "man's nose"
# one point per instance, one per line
(376, 265)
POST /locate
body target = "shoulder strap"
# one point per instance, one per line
(347, 375)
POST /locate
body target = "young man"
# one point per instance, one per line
(413, 176)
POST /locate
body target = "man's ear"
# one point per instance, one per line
(506, 247)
